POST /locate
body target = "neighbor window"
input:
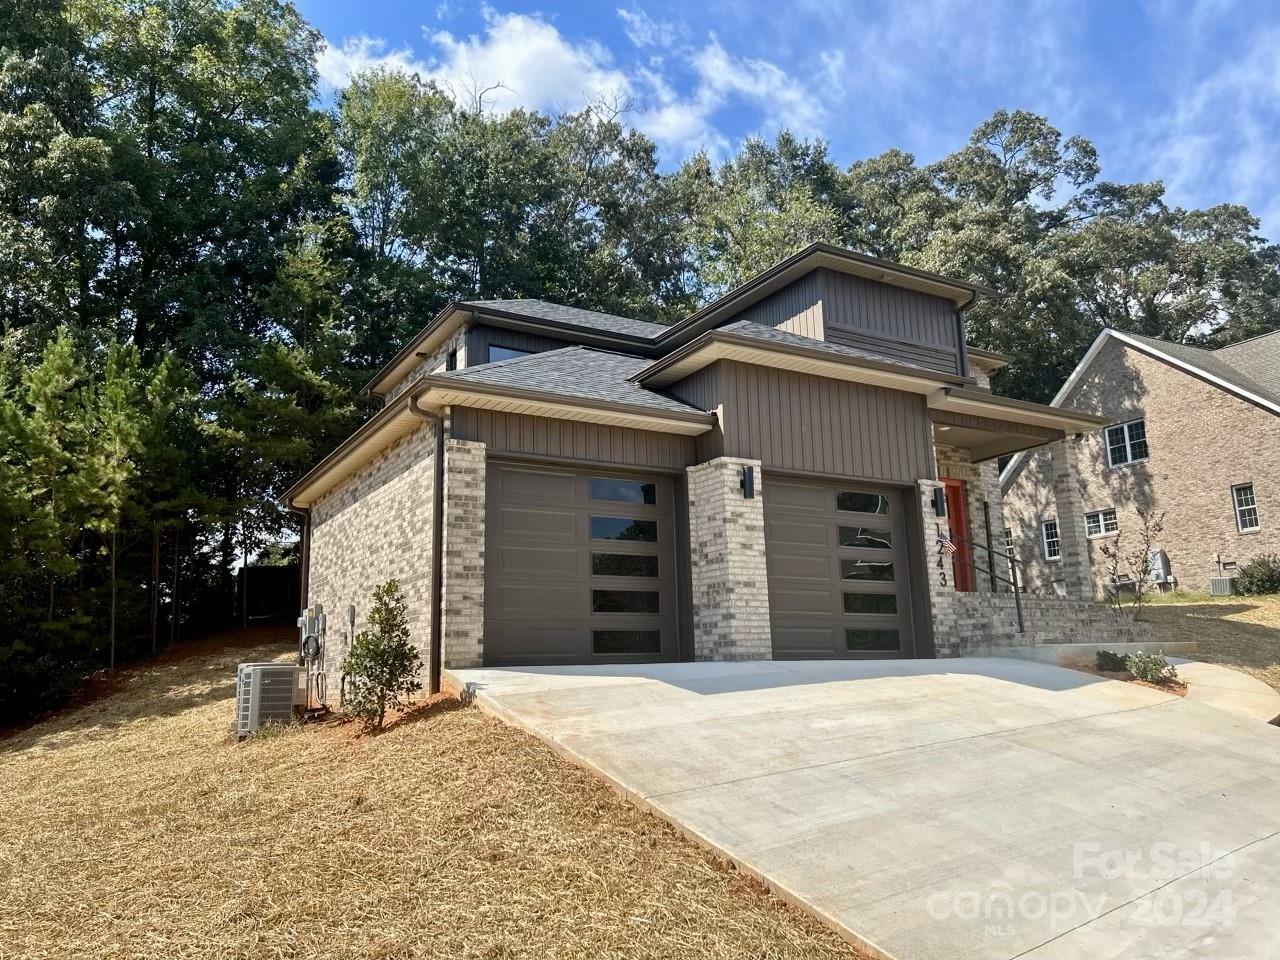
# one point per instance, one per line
(497, 353)
(1127, 442)
(1052, 545)
(1100, 522)
(1008, 541)
(1246, 507)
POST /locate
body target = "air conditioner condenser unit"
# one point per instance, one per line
(268, 693)
(1222, 586)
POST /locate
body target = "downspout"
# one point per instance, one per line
(437, 544)
(964, 347)
(304, 552)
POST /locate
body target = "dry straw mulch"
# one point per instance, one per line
(132, 827)
(1219, 626)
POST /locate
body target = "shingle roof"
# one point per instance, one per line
(573, 372)
(1258, 359)
(1234, 364)
(760, 331)
(573, 316)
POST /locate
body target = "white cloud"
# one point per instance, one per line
(643, 31)
(359, 54)
(534, 64)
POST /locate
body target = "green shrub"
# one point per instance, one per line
(1260, 575)
(382, 665)
(1112, 662)
(1151, 667)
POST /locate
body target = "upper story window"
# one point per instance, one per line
(1126, 443)
(1246, 508)
(497, 353)
(1052, 543)
(1099, 523)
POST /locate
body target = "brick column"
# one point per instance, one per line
(462, 620)
(1074, 565)
(730, 581)
(939, 579)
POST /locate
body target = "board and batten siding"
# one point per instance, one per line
(517, 433)
(899, 324)
(796, 308)
(702, 389)
(793, 421)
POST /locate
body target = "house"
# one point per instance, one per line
(784, 473)
(1191, 434)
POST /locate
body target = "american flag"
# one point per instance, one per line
(945, 544)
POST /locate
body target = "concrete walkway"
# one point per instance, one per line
(1227, 689)
(945, 809)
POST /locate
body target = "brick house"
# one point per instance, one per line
(780, 474)
(1193, 434)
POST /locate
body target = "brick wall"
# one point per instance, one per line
(939, 579)
(462, 621)
(431, 364)
(991, 620)
(1201, 440)
(981, 483)
(730, 580)
(375, 526)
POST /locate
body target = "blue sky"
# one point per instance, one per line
(1185, 92)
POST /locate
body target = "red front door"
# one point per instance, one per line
(958, 521)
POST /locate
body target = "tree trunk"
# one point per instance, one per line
(155, 583)
(175, 609)
(112, 632)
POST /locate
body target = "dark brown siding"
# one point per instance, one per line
(796, 308)
(791, 421)
(479, 337)
(896, 323)
(704, 389)
(998, 426)
(514, 433)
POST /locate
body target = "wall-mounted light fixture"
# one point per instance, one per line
(939, 502)
(747, 481)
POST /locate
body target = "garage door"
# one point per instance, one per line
(838, 576)
(579, 567)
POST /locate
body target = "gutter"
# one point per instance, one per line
(437, 545)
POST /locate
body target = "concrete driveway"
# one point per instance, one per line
(945, 809)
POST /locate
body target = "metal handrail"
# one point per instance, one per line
(1012, 579)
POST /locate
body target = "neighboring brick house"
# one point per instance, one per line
(773, 476)
(1191, 434)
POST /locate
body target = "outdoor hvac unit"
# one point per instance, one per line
(267, 693)
(1222, 586)
(1159, 567)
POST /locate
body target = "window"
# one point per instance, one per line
(451, 362)
(1008, 541)
(1052, 546)
(866, 570)
(497, 353)
(623, 565)
(858, 501)
(1126, 443)
(624, 528)
(1100, 523)
(626, 641)
(878, 640)
(624, 601)
(873, 538)
(870, 603)
(623, 491)
(1246, 508)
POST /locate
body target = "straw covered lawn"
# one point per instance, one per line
(132, 827)
(1238, 632)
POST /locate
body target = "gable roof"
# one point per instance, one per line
(578, 372)
(570, 317)
(1230, 369)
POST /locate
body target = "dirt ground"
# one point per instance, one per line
(134, 828)
(1238, 632)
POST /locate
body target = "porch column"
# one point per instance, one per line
(1074, 573)
(730, 580)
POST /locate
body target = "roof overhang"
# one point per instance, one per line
(982, 403)
(432, 394)
(722, 345)
(987, 359)
(444, 391)
(427, 340)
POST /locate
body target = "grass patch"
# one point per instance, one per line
(1238, 632)
(134, 827)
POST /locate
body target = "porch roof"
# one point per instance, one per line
(990, 426)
